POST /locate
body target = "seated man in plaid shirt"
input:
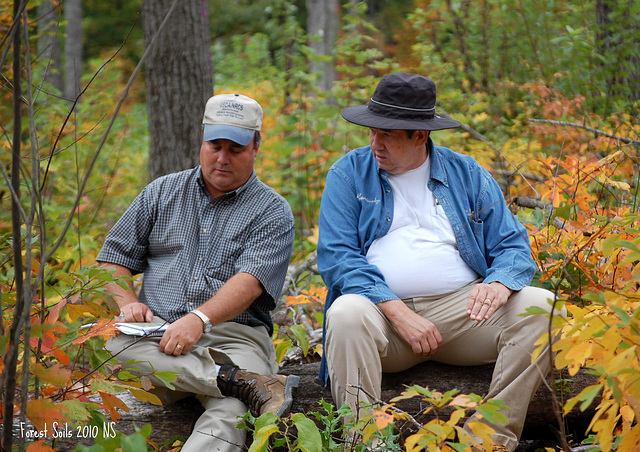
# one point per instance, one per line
(213, 243)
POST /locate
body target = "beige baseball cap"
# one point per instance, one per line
(233, 117)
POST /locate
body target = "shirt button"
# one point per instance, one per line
(204, 230)
(388, 190)
(201, 258)
(388, 219)
(195, 278)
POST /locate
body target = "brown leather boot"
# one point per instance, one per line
(261, 393)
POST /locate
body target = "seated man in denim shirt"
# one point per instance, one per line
(424, 261)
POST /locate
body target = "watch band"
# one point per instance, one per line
(205, 320)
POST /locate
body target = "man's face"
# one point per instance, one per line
(395, 152)
(226, 165)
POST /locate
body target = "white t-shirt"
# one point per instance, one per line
(419, 255)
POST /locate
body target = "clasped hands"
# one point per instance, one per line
(179, 337)
(423, 336)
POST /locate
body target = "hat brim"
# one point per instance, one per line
(222, 131)
(361, 116)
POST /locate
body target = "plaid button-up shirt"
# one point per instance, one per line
(188, 244)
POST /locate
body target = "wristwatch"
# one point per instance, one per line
(206, 327)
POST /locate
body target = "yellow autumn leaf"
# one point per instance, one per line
(55, 374)
(579, 353)
(627, 413)
(463, 401)
(145, 396)
(631, 439)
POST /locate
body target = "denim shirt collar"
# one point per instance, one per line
(438, 171)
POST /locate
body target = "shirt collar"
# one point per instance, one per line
(437, 168)
(252, 179)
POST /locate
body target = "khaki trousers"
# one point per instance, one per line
(247, 347)
(361, 344)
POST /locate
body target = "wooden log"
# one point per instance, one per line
(442, 377)
(177, 420)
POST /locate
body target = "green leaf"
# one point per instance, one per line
(586, 396)
(309, 439)
(491, 410)
(134, 443)
(166, 377)
(534, 310)
(564, 212)
(300, 333)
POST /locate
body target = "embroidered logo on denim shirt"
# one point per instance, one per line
(362, 198)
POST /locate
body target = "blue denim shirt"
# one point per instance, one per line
(357, 208)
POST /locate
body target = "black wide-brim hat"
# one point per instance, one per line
(401, 101)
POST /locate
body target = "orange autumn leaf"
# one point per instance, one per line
(383, 419)
(39, 446)
(43, 413)
(112, 402)
(103, 327)
(54, 314)
(48, 346)
(61, 356)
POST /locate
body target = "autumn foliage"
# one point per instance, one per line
(570, 175)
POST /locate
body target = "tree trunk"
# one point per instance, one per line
(73, 49)
(322, 24)
(618, 39)
(49, 44)
(179, 78)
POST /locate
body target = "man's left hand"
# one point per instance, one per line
(485, 299)
(181, 335)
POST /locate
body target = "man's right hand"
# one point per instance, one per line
(420, 333)
(135, 312)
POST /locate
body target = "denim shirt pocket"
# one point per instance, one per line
(477, 227)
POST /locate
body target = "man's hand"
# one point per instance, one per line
(420, 333)
(181, 335)
(135, 312)
(485, 299)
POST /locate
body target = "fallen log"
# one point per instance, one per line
(177, 420)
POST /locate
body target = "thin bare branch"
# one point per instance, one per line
(590, 129)
(478, 136)
(532, 203)
(124, 95)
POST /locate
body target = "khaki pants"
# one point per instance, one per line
(230, 342)
(361, 344)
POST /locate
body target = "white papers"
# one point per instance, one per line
(155, 328)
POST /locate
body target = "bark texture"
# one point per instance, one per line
(179, 79)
